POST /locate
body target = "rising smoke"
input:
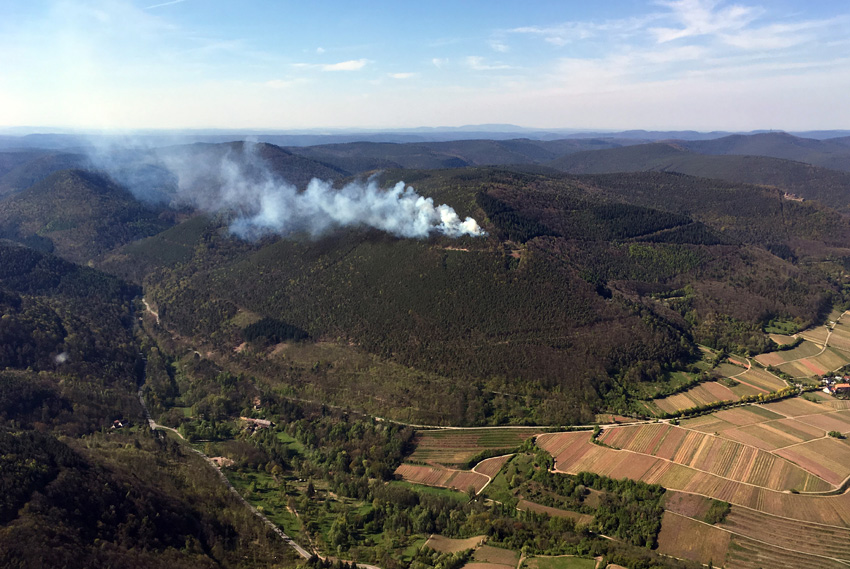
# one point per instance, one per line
(235, 180)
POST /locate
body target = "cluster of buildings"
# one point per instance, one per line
(837, 385)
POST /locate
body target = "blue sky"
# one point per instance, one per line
(613, 64)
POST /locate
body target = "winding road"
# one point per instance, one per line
(289, 541)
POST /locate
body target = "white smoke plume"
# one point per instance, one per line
(280, 208)
(237, 181)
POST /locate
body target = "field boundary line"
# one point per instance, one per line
(776, 456)
(842, 561)
(489, 478)
(787, 518)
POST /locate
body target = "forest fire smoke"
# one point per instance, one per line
(320, 208)
(240, 183)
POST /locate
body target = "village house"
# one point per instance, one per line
(254, 425)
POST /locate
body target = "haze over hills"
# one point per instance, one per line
(830, 187)
(23, 138)
(831, 153)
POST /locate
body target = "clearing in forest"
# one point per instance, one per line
(495, 557)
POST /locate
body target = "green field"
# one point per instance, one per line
(563, 562)
(455, 446)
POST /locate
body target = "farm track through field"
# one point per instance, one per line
(825, 343)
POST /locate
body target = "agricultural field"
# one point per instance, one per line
(560, 562)
(490, 467)
(805, 350)
(451, 447)
(752, 381)
(701, 394)
(712, 454)
(689, 505)
(840, 337)
(828, 400)
(822, 351)
(442, 477)
(815, 539)
(829, 458)
(574, 452)
(686, 538)
(761, 380)
(489, 557)
(449, 545)
(746, 553)
(826, 362)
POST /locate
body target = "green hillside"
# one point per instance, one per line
(78, 214)
(611, 277)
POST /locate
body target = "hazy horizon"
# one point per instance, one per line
(704, 65)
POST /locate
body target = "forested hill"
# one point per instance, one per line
(355, 157)
(830, 187)
(831, 153)
(74, 492)
(79, 214)
(65, 342)
(573, 276)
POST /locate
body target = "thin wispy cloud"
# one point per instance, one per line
(499, 46)
(164, 4)
(350, 65)
(402, 75)
(478, 63)
(571, 32)
(704, 17)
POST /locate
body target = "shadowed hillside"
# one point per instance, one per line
(27, 168)
(830, 187)
(831, 153)
(79, 214)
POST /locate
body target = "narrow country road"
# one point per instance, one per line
(289, 541)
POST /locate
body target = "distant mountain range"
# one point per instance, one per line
(22, 138)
